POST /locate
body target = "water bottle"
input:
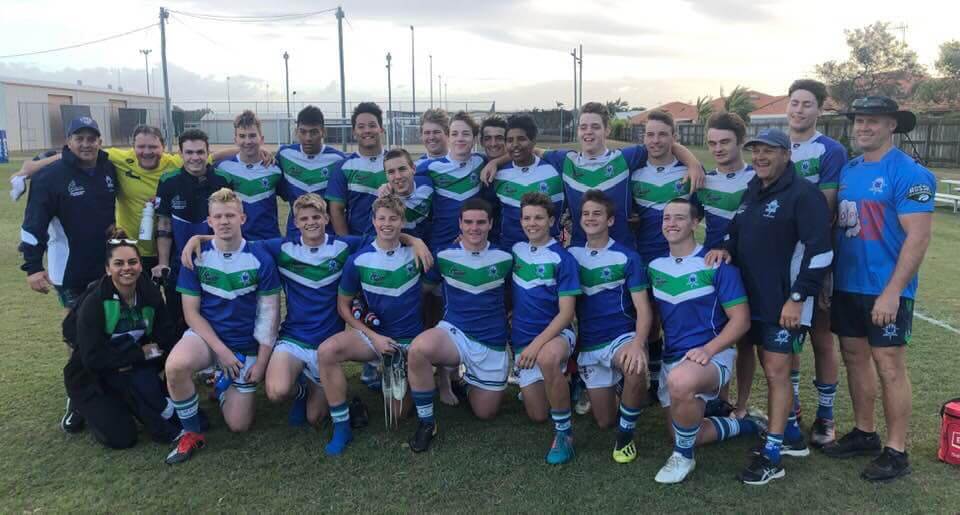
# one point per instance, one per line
(356, 308)
(371, 320)
(146, 221)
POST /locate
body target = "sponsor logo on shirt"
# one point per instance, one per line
(920, 193)
(109, 181)
(876, 187)
(178, 203)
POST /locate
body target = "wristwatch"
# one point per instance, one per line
(796, 297)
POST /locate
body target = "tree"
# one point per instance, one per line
(946, 88)
(617, 106)
(704, 107)
(878, 64)
(739, 101)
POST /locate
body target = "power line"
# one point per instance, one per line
(252, 18)
(78, 45)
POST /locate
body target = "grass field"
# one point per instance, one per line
(475, 467)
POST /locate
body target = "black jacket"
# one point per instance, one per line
(98, 351)
(77, 205)
(784, 226)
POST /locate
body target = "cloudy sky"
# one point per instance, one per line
(514, 52)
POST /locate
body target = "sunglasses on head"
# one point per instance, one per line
(117, 241)
(870, 103)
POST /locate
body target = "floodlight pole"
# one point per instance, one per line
(343, 89)
(146, 66)
(286, 69)
(580, 60)
(168, 114)
(413, 73)
(574, 54)
(431, 81)
(229, 109)
(390, 134)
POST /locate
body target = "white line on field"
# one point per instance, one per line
(936, 322)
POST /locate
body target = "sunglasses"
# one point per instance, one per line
(116, 241)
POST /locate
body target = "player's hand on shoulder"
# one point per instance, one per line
(488, 173)
(717, 256)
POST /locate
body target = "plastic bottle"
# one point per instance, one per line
(146, 221)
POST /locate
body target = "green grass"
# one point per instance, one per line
(475, 467)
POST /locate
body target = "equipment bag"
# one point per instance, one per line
(949, 451)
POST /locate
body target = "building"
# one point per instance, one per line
(34, 113)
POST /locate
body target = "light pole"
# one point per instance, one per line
(560, 107)
(146, 66)
(413, 73)
(286, 70)
(343, 88)
(390, 134)
(229, 109)
(431, 81)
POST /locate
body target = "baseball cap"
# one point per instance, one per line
(82, 122)
(772, 137)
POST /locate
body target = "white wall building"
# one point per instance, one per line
(32, 112)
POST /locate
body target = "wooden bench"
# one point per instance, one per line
(947, 198)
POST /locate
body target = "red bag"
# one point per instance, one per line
(949, 451)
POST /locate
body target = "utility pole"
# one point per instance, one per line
(286, 70)
(575, 104)
(446, 96)
(580, 60)
(390, 134)
(560, 108)
(146, 66)
(440, 90)
(229, 109)
(168, 114)
(431, 81)
(413, 73)
(343, 89)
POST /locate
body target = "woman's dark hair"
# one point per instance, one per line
(116, 238)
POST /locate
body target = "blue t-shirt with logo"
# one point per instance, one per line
(868, 236)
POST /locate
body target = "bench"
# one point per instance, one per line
(947, 198)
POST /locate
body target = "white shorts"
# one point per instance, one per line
(486, 368)
(308, 356)
(596, 366)
(724, 363)
(239, 384)
(529, 376)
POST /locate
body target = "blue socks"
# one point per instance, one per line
(423, 400)
(562, 421)
(628, 418)
(772, 447)
(827, 393)
(298, 410)
(728, 428)
(187, 412)
(792, 432)
(684, 439)
(342, 434)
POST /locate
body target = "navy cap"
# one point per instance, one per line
(772, 137)
(82, 122)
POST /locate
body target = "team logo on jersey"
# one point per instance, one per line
(678, 187)
(920, 193)
(109, 180)
(265, 182)
(411, 269)
(771, 210)
(541, 270)
(890, 331)
(544, 187)
(608, 171)
(606, 273)
(245, 278)
(75, 189)
(783, 337)
(731, 175)
(492, 271)
(804, 166)
(877, 185)
(333, 265)
(692, 280)
(178, 203)
(324, 173)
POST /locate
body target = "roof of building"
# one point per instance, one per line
(76, 87)
(681, 112)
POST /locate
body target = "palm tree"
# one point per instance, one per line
(738, 101)
(617, 106)
(704, 109)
